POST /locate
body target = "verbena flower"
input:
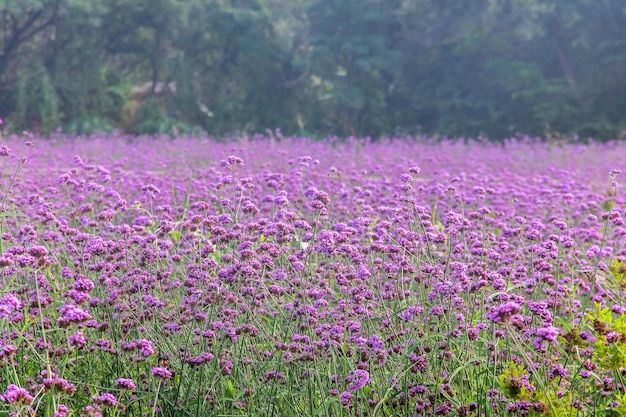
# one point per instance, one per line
(504, 312)
(17, 396)
(161, 372)
(125, 383)
(357, 380)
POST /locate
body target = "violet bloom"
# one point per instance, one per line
(346, 399)
(7, 350)
(160, 372)
(77, 339)
(9, 304)
(549, 334)
(150, 189)
(106, 400)
(358, 379)
(16, 395)
(62, 411)
(72, 314)
(145, 347)
(503, 312)
(125, 383)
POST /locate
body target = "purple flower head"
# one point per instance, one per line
(9, 304)
(105, 400)
(126, 383)
(548, 334)
(504, 312)
(406, 178)
(72, 314)
(346, 399)
(7, 350)
(77, 339)
(16, 395)
(62, 411)
(358, 379)
(145, 347)
(150, 189)
(162, 373)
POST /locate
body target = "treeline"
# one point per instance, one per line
(315, 67)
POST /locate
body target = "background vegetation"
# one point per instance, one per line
(315, 67)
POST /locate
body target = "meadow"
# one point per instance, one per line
(290, 277)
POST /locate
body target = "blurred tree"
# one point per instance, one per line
(347, 67)
(24, 81)
(355, 66)
(232, 54)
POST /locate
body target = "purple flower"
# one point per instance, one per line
(72, 314)
(503, 312)
(549, 334)
(7, 350)
(125, 383)
(62, 411)
(77, 339)
(346, 399)
(150, 189)
(16, 395)
(145, 347)
(406, 178)
(8, 304)
(358, 379)
(160, 372)
(106, 400)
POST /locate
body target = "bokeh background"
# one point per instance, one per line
(315, 67)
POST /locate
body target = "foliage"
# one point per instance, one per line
(88, 126)
(321, 66)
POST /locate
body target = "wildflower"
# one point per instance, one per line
(549, 334)
(62, 411)
(9, 304)
(504, 312)
(346, 399)
(77, 339)
(558, 371)
(7, 350)
(92, 411)
(162, 373)
(106, 400)
(17, 396)
(72, 314)
(125, 383)
(406, 178)
(61, 384)
(358, 379)
(150, 189)
(145, 347)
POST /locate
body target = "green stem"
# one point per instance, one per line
(156, 399)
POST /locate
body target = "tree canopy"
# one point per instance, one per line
(315, 67)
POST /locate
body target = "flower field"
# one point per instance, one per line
(157, 277)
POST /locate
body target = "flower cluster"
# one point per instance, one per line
(364, 277)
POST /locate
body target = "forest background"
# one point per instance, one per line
(315, 67)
